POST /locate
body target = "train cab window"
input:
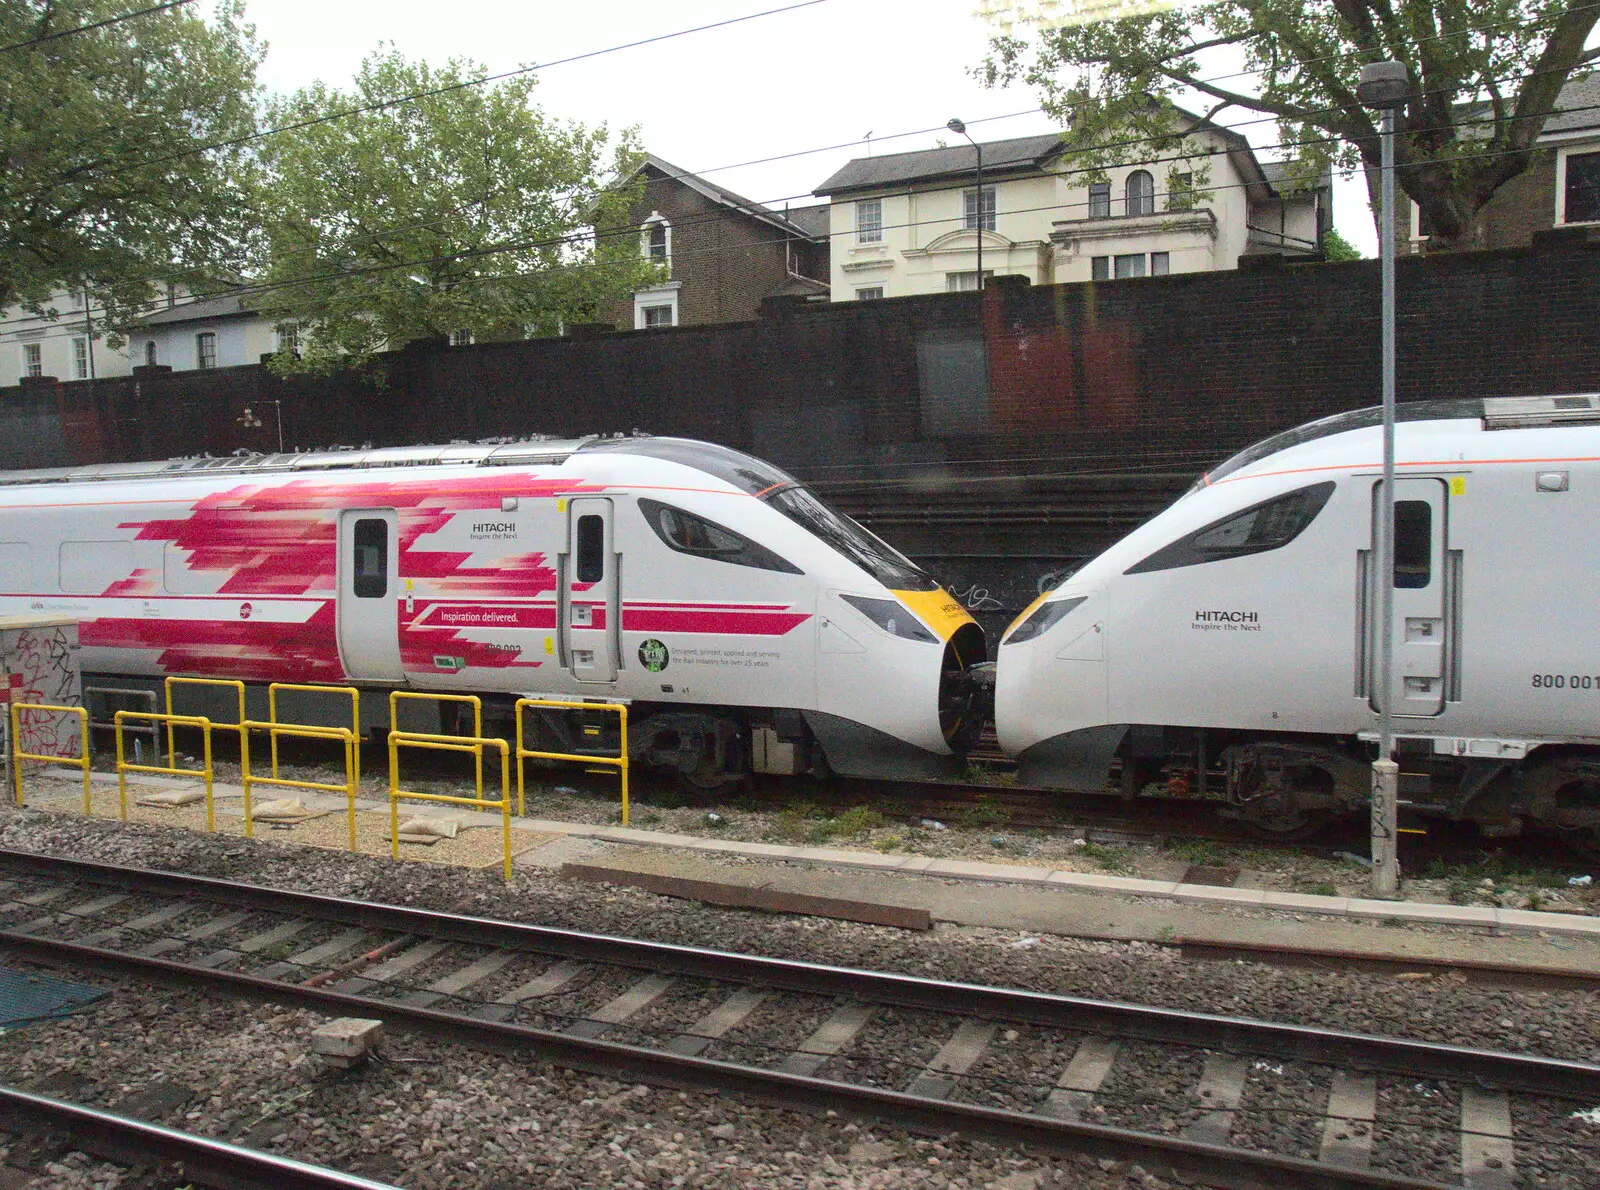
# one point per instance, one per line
(688, 533)
(370, 565)
(1270, 525)
(591, 549)
(1413, 543)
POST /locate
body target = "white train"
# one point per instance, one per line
(751, 627)
(1228, 647)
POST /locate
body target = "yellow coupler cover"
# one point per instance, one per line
(939, 609)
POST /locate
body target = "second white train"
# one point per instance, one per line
(1228, 647)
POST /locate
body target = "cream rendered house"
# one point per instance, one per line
(70, 346)
(909, 222)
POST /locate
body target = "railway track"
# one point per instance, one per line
(205, 1161)
(1053, 1071)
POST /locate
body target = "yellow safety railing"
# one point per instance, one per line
(249, 780)
(449, 743)
(472, 700)
(169, 721)
(355, 716)
(620, 760)
(81, 760)
(231, 683)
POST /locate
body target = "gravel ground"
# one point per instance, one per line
(1417, 1128)
(1562, 1024)
(438, 1116)
(1282, 1108)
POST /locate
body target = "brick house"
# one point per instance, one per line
(724, 254)
(1560, 189)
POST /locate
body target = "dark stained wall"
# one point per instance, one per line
(999, 440)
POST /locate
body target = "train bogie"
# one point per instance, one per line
(1230, 645)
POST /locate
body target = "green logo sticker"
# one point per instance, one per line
(653, 655)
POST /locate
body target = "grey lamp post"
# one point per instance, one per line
(1384, 87)
(960, 129)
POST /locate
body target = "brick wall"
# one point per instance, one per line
(999, 440)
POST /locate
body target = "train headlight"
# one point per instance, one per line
(1045, 618)
(892, 617)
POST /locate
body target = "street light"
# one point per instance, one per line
(960, 129)
(1384, 87)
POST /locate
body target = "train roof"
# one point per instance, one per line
(743, 471)
(1494, 413)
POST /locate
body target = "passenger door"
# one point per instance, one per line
(368, 607)
(1427, 577)
(590, 611)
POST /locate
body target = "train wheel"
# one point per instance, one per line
(1288, 825)
(1565, 794)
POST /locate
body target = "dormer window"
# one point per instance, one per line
(655, 240)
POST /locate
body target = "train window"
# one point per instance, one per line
(1045, 618)
(591, 548)
(1269, 525)
(91, 567)
(369, 571)
(874, 555)
(691, 534)
(1413, 543)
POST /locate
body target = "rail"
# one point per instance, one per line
(795, 1084)
(396, 697)
(207, 1160)
(449, 743)
(230, 683)
(169, 721)
(355, 715)
(80, 761)
(620, 760)
(250, 780)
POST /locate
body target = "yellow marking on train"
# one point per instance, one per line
(1458, 485)
(1027, 611)
(938, 609)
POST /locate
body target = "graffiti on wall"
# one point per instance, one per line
(41, 665)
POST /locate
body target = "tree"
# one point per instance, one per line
(107, 178)
(1485, 75)
(1335, 248)
(463, 210)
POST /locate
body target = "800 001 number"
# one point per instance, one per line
(1566, 682)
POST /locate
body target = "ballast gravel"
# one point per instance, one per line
(443, 1116)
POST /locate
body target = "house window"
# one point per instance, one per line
(461, 338)
(656, 307)
(150, 353)
(1129, 266)
(205, 350)
(973, 216)
(1180, 191)
(656, 239)
(80, 358)
(869, 221)
(870, 293)
(32, 360)
(1100, 268)
(1160, 264)
(289, 338)
(1141, 193)
(1583, 188)
(965, 282)
(1100, 200)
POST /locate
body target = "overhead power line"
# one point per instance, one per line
(127, 16)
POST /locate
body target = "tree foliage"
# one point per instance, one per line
(1485, 76)
(106, 180)
(464, 210)
(1336, 249)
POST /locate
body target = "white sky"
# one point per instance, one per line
(819, 76)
